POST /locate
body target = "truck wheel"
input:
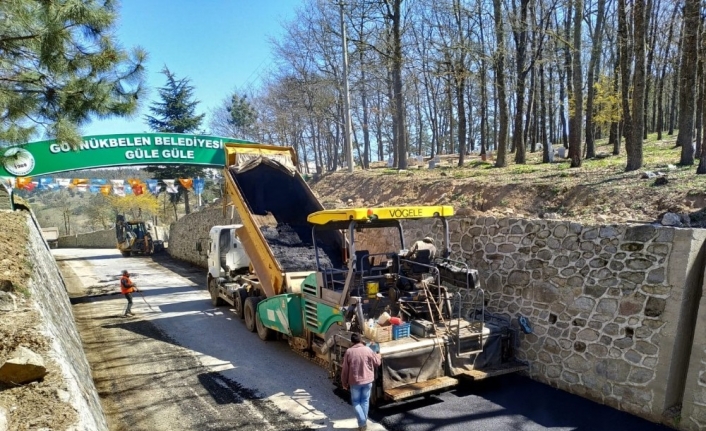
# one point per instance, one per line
(216, 300)
(265, 333)
(240, 296)
(125, 253)
(250, 312)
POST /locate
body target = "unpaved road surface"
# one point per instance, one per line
(189, 366)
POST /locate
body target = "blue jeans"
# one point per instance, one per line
(360, 398)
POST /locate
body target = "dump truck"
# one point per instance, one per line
(314, 277)
(133, 237)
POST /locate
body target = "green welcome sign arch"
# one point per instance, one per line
(102, 151)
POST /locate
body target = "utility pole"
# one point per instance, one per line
(346, 95)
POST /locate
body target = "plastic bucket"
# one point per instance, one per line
(372, 288)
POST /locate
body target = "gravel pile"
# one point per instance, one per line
(293, 248)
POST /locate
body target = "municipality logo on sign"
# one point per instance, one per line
(18, 161)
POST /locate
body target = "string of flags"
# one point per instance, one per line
(106, 187)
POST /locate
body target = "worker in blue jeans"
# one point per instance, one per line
(358, 374)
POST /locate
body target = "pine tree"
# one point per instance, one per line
(175, 113)
(60, 65)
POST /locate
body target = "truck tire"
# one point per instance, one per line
(250, 310)
(125, 253)
(216, 300)
(265, 333)
(240, 296)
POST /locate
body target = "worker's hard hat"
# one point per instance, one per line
(428, 239)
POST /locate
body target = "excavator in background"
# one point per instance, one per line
(133, 237)
(295, 271)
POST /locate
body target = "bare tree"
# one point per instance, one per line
(500, 85)
(576, 118)
(689, 55)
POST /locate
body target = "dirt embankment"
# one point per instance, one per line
(583, 196)
(40, 404)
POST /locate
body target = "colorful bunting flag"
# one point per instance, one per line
(106, 190)
(94, 188)
(170, 187)
(63, 182)
(119, 190)
(137, 189)
(199, 185)
(117, 182)
(153, 187)
(77, 181)
(22, 182)
(98, 182)
(186, 183)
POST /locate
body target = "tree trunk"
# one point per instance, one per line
(521, 48)
(397, 60)
(633, 147)
(576, 119)
(596, 42)
(543, 115)
(500, 85)
(625, 59)
(688, 81)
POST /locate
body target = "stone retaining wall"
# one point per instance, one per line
(50, 298)
(104, 238)
(189, 236)
(612, 307)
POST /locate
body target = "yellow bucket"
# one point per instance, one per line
(372, 287)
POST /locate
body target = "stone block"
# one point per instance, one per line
(607, 306)
(641, 375)
(551, 346)
(608, 232)
(577, 363)
(646, 348)
(597, 350)
(545, 293)
(615, 370)
(623, 343)
(638, 264)
(590, 234)
(553, 243)
(23, 366)
(582, 303)
(595, 291)
(580, 347)
(665, 235)
(655, 306)
(629, 307)
(519, 278)
(633, 356)
(642, 233)
(553, 371)
(616, 265)
(658, 249)
(588, 335)
(569, 377)
(632, 246)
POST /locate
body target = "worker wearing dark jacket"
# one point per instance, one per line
(126, 288)
(358, 373)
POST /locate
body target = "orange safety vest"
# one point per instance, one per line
(126, 285)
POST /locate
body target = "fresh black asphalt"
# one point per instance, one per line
(505, 403)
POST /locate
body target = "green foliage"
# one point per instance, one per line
(175, 113)
(242, 116)
(60, 64)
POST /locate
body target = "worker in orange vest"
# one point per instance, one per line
(126, 288)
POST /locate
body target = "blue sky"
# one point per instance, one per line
(220, 45)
